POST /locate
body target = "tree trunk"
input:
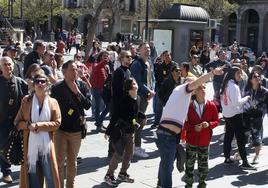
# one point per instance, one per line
(90, 36)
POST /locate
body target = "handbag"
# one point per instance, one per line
(12, 150)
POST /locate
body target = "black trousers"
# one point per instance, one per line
(234, 126)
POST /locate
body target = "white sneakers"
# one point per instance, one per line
(139, 152)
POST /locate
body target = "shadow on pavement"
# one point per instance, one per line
(221, 170)
(258, 178)
(92, 164)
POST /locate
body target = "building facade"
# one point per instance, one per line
(124, 19)
(247, 25)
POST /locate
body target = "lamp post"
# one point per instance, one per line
(52, 38)
(146, 20)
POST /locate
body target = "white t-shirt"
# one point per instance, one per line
(176, 108)
(231, 101)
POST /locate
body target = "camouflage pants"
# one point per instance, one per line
(200, 154)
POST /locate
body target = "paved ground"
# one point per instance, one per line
(95, 161)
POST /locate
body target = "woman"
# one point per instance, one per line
(59, 58)
(126, 113)
(99, 74)
(202, 118)
(232, 109)
(32, 70)
(39, 117)
(255, 110)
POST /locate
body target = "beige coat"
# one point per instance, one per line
(21, 120)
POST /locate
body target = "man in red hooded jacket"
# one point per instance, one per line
(202, 118)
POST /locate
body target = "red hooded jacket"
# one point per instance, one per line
(210, 115)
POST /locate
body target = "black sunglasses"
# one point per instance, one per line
(177, 70)
(39, 81)
(128, 56)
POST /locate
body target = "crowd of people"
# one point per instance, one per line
(45, 97)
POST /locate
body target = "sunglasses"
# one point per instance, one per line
(256, 76)
(39, 81)
(177, 70)
(78, 57)
(128, 56)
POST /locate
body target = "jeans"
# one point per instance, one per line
(4, 132)
(142, 108)
(158, 110)
(67, 146)
(103, 114)
(46, 169)
(167, 145)
(96, 93)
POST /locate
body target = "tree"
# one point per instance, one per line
(113, 5)
(217, 9)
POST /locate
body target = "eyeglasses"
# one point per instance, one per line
(128, 56)
(177, 70)
(39, 81)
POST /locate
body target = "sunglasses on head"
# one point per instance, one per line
(39, 81)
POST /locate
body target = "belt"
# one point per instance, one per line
(165, 131)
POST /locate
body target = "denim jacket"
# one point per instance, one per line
(138, 70)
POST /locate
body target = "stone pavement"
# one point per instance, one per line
(95, 162)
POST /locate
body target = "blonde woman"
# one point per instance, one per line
(39, 116)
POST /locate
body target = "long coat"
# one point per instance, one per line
(21, 120)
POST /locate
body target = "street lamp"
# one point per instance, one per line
(52, 38)
(146, 20)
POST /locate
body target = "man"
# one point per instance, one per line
(12, 91)
(172, 121)
(194, 67)
(217, 80)
(50, 66)
(161, 71)
(141, 71)
(34, 56)
(11, 52)
(73, 97)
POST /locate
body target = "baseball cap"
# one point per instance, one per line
(10, 48)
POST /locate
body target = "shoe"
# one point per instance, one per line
(79, 160)
(124, 177)
(110, 180)
(228, 161)
(154, 126)
(255, 160)
(7, 179)
(237, 156)
(139, 152)
(247, 166)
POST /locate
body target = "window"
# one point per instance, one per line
(125, 26)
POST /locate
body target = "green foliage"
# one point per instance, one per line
(216, 8)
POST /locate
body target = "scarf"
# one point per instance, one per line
(38, 143)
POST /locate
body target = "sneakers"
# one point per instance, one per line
(237, 156)
(139, 152)
(255, 160)
(124, 177)
(7, 179)
(247, 166)
(228, 161)
(110, 180)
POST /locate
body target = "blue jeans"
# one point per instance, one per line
(46, 169)
(103, 115)
(4, 132)
(96, 93)
(167, 145)
(158, 110)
